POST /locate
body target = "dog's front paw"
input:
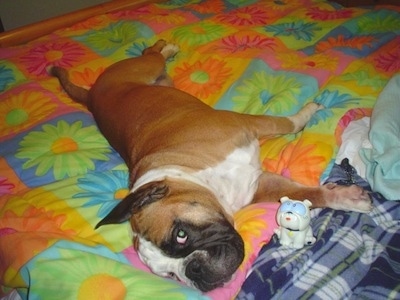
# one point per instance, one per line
(169, 50)
(352, 198)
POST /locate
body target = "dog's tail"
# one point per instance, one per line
(77, 93)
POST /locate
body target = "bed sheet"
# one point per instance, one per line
(59, 176)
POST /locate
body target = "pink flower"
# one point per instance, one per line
(317, 13)
(58, 54)
(389, 62)
(236, 44)
(5, 186)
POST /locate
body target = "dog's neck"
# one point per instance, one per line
(233, 181)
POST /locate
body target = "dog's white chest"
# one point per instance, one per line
(234, 181)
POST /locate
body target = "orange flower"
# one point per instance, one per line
(152, 13)
(27, 234)
(209, 6)
(300, 162)
(35, 220)
(89, 24)
(340, 41)
(86, 78)
(245, 16)
(203, 78)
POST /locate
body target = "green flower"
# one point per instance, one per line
(177, 3)
(199, 33)
(113, 37)
(67, 149)
(265, 92)
(378, 23)
(363, 78)
(84, 274)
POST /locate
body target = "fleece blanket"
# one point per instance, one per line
(59, 176)
(382, 159)
(356, 256)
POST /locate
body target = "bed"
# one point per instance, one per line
(59, 176)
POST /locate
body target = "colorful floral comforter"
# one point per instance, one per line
(59, 176)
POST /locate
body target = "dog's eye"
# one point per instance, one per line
(286, 206)
(181, 237)
(300, 209)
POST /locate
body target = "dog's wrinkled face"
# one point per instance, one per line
(182, 232)
(206, 260)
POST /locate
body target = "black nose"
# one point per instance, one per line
(194, 268)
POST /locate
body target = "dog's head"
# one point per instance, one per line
(182, 232)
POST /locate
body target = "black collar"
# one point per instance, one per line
(292, 229)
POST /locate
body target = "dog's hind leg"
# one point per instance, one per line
(272, 186)
(167, 50)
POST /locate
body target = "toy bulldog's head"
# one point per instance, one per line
(294, 214)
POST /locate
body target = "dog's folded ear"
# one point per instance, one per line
(133, 202)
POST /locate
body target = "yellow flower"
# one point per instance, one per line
(255, 224)
(316, 61)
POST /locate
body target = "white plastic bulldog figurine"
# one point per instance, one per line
(293, 218)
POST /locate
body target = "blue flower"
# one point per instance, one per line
(6, 77)
(136, 49)
(104, 189)
(298, 29)
(330, 100)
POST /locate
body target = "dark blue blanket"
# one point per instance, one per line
(356, 256)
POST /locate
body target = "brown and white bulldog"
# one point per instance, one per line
(191, 167)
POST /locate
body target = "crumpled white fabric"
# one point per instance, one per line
(355, 137)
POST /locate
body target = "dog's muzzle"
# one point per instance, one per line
(208, 261)
(214, 265)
